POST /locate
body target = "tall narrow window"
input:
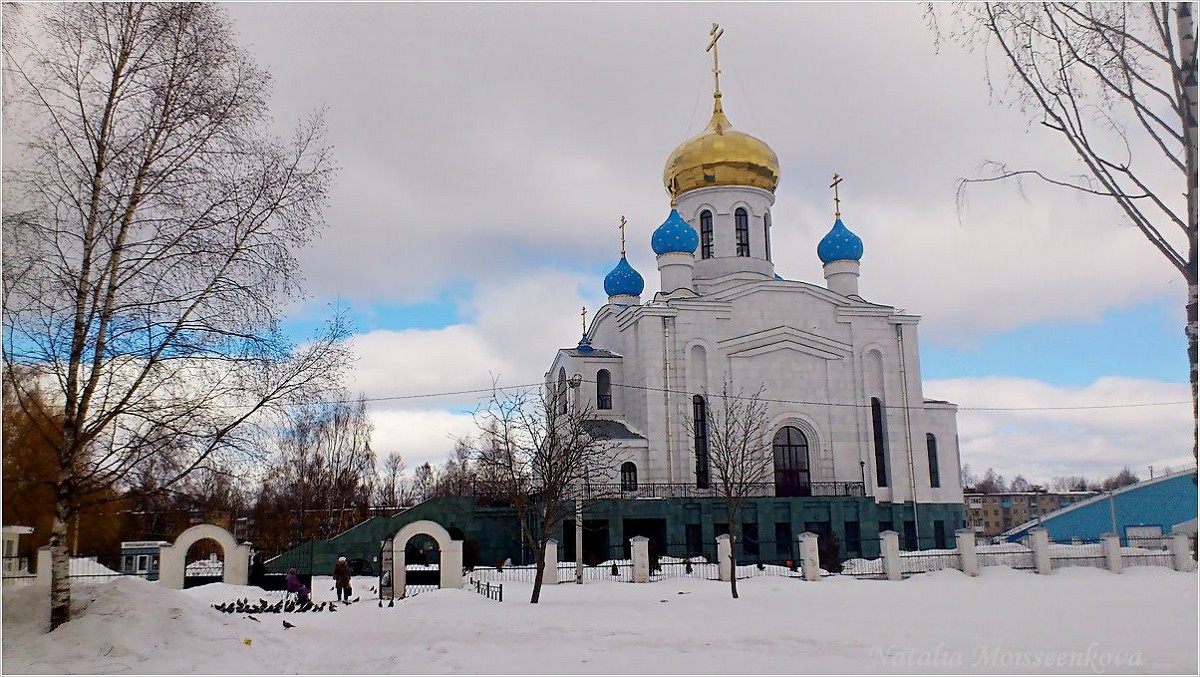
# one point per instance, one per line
(767, 233)
(700, 426)
(706, 235)
(742, 225)
(935, 477)
(628, 476)
(562, 390)
(881, 475)
(603, 389)
(790, 448)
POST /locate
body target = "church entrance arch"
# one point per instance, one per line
(172, 558)
(449, 551)
(790, 449)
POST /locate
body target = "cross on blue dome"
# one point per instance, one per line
(624, 280)
(674, 235)
(839, 244)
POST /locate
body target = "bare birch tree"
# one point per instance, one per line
(739, 455)
(543, 451)
(392, 489)
(1117, 83)
(150, 231)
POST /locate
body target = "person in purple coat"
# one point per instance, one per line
(294, 585)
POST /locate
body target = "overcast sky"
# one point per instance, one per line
(487, 152)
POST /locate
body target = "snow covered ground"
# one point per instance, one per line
(1078, 620)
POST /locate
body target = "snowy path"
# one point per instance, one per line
(1074, 621)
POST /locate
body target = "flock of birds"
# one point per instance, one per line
(263, 606)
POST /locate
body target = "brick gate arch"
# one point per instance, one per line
(172, 557)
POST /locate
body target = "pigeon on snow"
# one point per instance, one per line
(287, 625)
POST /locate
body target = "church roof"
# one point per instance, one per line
(594, 352)
(610, 430)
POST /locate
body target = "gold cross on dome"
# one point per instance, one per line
(583, 314)
(622, 227)
(716, 34)
(837, 202)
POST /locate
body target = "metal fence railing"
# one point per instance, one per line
(493, 591)
(1015, 555)
(1078, 553)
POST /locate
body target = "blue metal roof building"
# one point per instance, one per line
(1139, 511)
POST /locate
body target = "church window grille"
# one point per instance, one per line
(700, 426)
(853, 540)
(706, 235)
(935, 476)
(767, 233)
(742, 226)
(783, 540)
(939, 534)
(603, 389)
(790, 448)
(881, 474)
(750, 538)
(628, 476)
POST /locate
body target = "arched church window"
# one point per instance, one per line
(741, 222)
(881, 474)
(700, 427)
(561, 393)
(603, 389)
(628, 476)
(790, 448)
(706, 235)
(767, 233)
(935, 476)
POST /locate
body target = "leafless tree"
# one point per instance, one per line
(392, 490)
(543, 452)
(1117, 83)
(739, 454)
(323, 475)
(150, 229)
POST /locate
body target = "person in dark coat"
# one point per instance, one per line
(294, 585)
(341, 579)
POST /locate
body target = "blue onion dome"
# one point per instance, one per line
(839, 244)
(624, 280)
(675, 235)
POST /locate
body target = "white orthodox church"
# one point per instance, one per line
(842, 374)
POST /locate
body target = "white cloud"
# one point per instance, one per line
(1043, 443)
(420, 436)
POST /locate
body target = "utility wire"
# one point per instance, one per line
(478, 391)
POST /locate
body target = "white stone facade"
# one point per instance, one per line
(825, 354)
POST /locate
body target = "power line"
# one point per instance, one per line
(477, 391)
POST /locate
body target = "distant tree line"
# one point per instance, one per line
(993, 482)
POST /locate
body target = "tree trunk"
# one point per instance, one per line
(541, 570)
(1187, 47)
(60, 562)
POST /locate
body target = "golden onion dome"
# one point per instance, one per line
(721, 156)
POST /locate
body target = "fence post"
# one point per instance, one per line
(43, 565)
(1112, 551)
(810, 560)
(889, 549)
(640, 547)
(724, 566)
(1039, 540)
(1180, 547)
(550, 573)
(967, 556)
